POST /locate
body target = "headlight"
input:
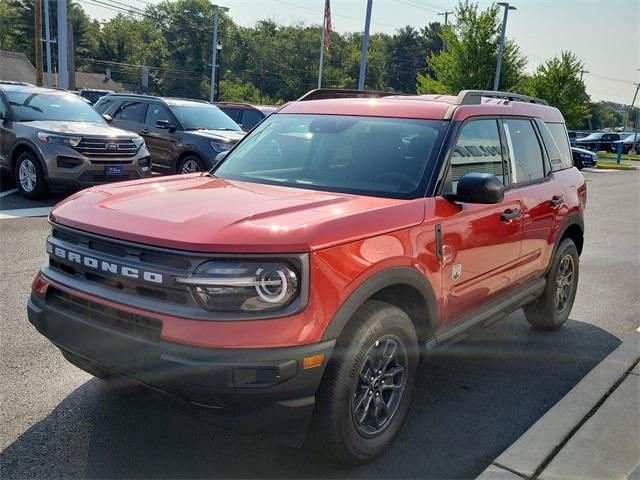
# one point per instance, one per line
(59, 139)
(138, 141)
(239, 286)
(221, 146)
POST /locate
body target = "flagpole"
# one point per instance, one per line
(324, 30)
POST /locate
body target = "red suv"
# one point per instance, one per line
(296, 287)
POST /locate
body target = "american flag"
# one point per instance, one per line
(327, 24)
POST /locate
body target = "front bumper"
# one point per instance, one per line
(248, 390)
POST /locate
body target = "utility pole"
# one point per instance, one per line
(582, 72)
(63, 67)
(324, 33)
(446, 17)
(37, 20)
(47, 33)
(72, 56)
(446, 14)
(214, 49)
(365, 47)
(219, 72)
(626, 117)
(507, 7)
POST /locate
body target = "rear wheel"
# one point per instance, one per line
(367, 389)
(29, 177)
(191, 164)
(552, 309)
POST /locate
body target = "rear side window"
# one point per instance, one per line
(250, 118)
(131, 112)
(478, 150)
(559, 134)
(525, 153)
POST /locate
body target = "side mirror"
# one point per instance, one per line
(107, 117)
(165, 125)
(477, 188)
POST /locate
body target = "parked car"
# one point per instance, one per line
(92, 94)
(53, 139)
(597, 141)
(183, 136)
(297, 286)
(583, 158)
(630, 142)
(624, 135)
(246, 115)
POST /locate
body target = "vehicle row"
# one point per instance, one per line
(53, 139)
(605, 141)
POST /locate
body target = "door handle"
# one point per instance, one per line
(556, 200)
(509, 214)
(144, 131)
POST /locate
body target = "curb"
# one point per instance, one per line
(537, 447)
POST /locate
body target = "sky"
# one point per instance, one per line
(604, 34)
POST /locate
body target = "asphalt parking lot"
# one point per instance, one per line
(473, 400)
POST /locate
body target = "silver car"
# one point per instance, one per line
(51, 139)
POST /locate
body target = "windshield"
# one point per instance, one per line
(29, 107)
(364, 155)
(203, 116)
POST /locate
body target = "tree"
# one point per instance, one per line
(472, 52)
(558, 82)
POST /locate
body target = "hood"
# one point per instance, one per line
(79, 128)
(226, 135)
(208, 214)
(583, 150)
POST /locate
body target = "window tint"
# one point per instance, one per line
(524, 148)
(131, 112)
(478, 150)
(559, 134)
(233, 113)
(103, 106)
(156, 112)
(353, 154)
(29, 107)
(250, 118)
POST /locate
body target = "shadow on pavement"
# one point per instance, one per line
(473, 400)
(16, 201)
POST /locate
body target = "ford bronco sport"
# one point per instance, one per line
(296, 286)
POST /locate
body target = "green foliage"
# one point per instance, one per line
(242, 92)
(558, 82)
(607, 115)
(470, 58)
(16, 27)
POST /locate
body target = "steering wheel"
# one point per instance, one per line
(402, 181)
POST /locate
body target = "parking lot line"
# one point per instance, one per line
(24, 212)
(8, 192)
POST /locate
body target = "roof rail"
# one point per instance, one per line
(327, 93)
(474, 97)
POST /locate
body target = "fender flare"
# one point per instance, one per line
(32, 146)
(387, 278)
(573, 219)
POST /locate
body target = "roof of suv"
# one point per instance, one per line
(27, 88)
(167, 100)
(432, 107)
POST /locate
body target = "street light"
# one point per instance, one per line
(219, 69)
(507, 7)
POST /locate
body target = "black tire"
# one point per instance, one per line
(29, 176)
(546, 313)
(191, 164)
(335, 431)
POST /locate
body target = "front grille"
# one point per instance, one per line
(97, 147)
(138, 325)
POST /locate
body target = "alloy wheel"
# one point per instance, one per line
(27, 176)
(379, 386)
(564, 283)
(190, 166)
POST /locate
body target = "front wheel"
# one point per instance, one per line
(368, 386)
(551, 310)
(29, 176)
(191, 164)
